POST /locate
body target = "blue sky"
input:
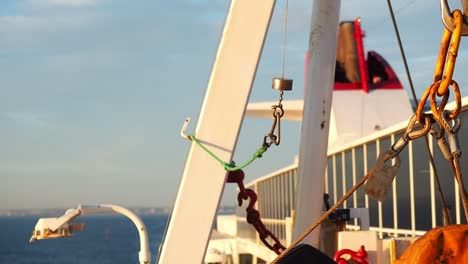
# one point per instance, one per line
(94, 92)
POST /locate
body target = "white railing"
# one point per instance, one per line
(411, 207)
(278, 227)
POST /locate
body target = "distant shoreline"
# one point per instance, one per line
(59, 211)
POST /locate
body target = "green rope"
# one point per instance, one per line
(231, 166)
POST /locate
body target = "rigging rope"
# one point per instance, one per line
(415, 99)
(322, 218)
(230, 166)
(455, 166)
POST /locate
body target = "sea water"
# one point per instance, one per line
(106, 239)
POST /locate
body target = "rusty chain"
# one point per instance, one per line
(253, 215)
(443, 72)
(447, 120)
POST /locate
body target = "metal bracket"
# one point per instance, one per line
(183, 132)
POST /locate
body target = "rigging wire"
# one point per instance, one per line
(455, 167)
(284, 35)
(426, 139)
(378, 23)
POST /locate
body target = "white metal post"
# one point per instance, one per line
(316, 116)
(62, 223)
(144, 255)
(218, 126)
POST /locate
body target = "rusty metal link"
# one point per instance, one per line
(238, 177)
(253, 215)
(437, 110)
(444, 70)
(253, 218)
(447, 57)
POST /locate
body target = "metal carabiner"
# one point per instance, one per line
(278, 112)
(452, 127)
(447, 17)
(438, 132)
(413, 132)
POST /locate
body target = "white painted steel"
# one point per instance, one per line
(335, 188)
(316, 116)
(326, 180)
(364, 153)
(356, 114)
(274, 199)
(457, 203)
(71, 214)
(432, 185)
(353, 161)
(390, 231)
(394, 192)
(384, 132)
(144, 255)
(377, 153)
(363, 215)
(291, 196)
(411, 182)
(343, 176)
(292, 109)
(275, 173)
(229, 87)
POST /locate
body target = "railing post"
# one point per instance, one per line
(411, 182)
(394, 192)
(377, 152)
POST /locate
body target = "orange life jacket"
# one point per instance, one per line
(441, 245)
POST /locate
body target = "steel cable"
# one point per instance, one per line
(415, 99)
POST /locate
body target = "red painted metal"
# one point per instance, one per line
(359, 256)
(391, 80)
(358, 36)
(375, 71)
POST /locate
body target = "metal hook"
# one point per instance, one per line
(184, 128)
(276, 126)
(447, 16)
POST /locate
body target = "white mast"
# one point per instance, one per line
(218, 126)
(316, 117)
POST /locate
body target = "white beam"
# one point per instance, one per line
(218, 127)
(316, 117)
